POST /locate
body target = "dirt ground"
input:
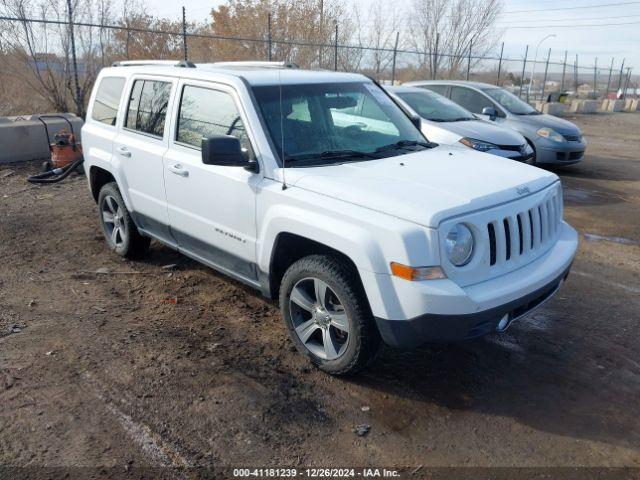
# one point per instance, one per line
(120, 366)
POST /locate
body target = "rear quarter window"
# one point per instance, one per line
(105, 105)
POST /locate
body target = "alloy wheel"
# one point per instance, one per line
(113, 221)
(319, 318)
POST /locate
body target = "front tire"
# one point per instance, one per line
(327, 314)
(119, 230)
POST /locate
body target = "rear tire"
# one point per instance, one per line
(327, 314)
(121, 233)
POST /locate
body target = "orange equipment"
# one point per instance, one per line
(65, 150)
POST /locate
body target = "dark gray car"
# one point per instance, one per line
(555, 140)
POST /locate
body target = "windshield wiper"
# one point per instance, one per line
(463, 119)
(403, 144)
(330, 154)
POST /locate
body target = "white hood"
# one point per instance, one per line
(425, 187)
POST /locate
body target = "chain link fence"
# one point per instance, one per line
(75, 52)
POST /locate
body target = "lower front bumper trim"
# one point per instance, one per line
(438, 328)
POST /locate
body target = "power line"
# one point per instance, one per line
(578, 7)
(578, 26)
(564, 19)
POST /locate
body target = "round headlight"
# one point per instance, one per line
(459, 245)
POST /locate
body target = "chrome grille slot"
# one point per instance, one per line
(520, 234)
(507, 237)
(492, 244)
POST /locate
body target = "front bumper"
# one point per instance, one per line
(440, 311)
(451, 328)
(566, 153)
(516, 155)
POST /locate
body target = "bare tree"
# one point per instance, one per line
(456, 26)
(41, 52)
(377, 30)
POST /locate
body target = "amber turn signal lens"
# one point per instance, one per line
(415, 274)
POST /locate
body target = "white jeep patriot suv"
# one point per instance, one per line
(318, 188)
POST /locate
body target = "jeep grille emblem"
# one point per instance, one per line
(523, 190)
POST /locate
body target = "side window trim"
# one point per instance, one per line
(129, 88)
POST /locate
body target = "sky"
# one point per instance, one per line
(571, 21)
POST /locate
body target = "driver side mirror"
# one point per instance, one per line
(226, 151)
(417, 121)
(490, 112)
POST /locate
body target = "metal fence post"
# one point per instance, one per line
(595, 79)
(395, 54)
(544, 79)
(500, 64)
(576, 75)
(606, 93)
(74, 59)
(621, 73)
(626, 84)
(524, 65)
(184, 33)
(269, 54)
(335, 52)
(469, 58)
(434, 71)
(564, 71)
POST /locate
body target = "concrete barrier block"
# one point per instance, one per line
(615, 105)
(631, 105)
(554, 108)
(574, 106)
(590, 106)
(23, 138)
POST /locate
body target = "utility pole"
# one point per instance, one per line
(500, 64)
(469, 58)
(74, 59)
(395, 54)
(595, 79)
(320, 52)
(621, 73)
(335, 52)
(564, 71)
(269, 55)
(606, 93)
(184, 34)
(524, 66)
(544, 80)
(434, 70)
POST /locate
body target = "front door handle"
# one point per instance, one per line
(124, 151)
(178, 170)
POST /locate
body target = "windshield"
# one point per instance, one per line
(335, 122)
(511, 102)
(435, 107)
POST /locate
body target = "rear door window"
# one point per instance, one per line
(147, 109)
(470, 99)
(107, 101)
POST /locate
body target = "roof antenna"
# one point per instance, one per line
(284, 157)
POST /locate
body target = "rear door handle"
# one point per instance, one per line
(124, 151)
(178, 170)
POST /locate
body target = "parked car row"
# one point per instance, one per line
(326, 192)
(553, 140)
